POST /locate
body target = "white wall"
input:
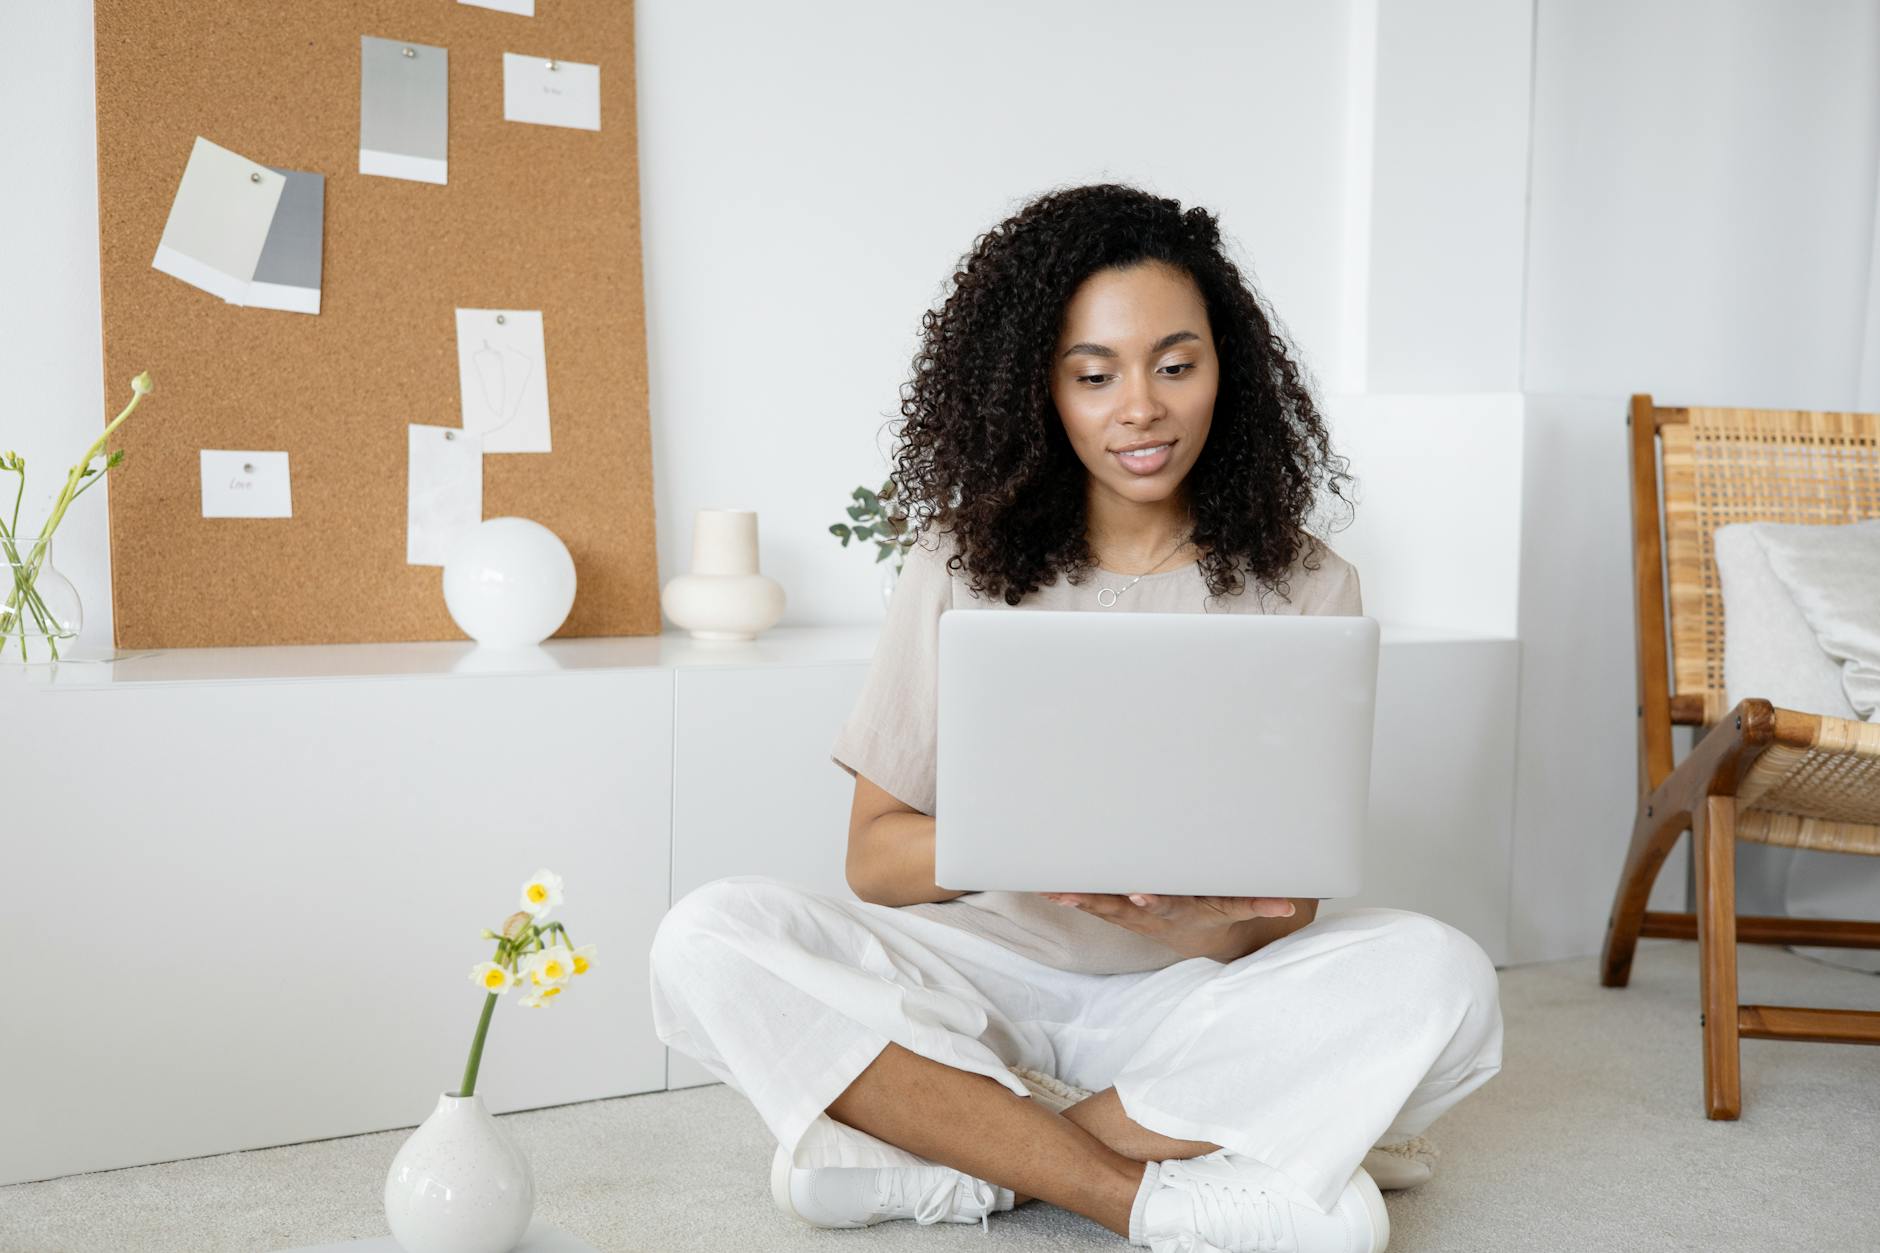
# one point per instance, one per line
(1703, 200)
(1576, 768)
(1449, 196)
(53, 402)
(1436, 538)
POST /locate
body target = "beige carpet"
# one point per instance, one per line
(1592, 1137)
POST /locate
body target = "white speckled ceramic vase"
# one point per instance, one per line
(459, 1184)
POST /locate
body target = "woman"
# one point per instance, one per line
(1101, 417)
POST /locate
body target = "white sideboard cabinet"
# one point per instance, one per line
(255, 903)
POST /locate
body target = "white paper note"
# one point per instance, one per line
(218, 221)
(245, 485)
(551, 92)
(525, 8)
(502, 373)
(444, 492)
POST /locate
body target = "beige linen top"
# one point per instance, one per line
(891, 736)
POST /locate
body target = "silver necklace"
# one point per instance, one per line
(1114, 592)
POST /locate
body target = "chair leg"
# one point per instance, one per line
(1714, 843)
(1652, 840)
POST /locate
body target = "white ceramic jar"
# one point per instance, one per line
(723, 597)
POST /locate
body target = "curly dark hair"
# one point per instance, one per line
(983, 455)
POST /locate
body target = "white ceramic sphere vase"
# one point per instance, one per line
(508, 582)
(459, 1184)
(723, 597)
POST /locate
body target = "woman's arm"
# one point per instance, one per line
(890, 860)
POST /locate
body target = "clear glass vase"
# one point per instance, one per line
(39, 609)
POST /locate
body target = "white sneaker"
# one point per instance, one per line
(861, 1196)
(1212, 1204)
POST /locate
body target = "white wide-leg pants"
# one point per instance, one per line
(1361, 1027)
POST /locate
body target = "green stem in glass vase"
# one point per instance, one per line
(24, 598)
(20, 594)
(79, 478)
(25, 594)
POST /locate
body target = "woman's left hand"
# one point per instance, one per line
(1194, 926)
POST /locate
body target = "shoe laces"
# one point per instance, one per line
(1415, 1149)
(1239, 1214)
(934, 1195)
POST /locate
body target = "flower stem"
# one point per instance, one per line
(25, 598)
(469, 1086)
(73, 478)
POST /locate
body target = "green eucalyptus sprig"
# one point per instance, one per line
(23, 598)
(887, 527)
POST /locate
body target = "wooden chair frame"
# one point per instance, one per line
(1700, 795)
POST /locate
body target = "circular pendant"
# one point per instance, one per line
(1109, 592)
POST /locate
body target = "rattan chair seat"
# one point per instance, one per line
(1825, 797)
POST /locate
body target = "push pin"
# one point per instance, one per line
(450, 435)
(501, 320)
(410, 53)
(248, 467)
(553, 66)
(254, 178)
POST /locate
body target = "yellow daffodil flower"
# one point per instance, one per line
(541, 893)
(491, 977)
(583, 958)
(550, 967)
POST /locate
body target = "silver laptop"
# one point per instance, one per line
(1191, 753)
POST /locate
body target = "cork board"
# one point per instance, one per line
(533, 217)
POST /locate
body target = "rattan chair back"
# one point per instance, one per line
(1748, 465)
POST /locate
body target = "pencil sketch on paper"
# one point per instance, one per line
(503, 375)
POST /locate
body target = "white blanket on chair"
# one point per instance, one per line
(1801, 617)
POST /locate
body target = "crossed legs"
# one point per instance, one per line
(1389, 1019)
(1088, 1159)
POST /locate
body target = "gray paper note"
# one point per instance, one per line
(404, 109)
(288, 274)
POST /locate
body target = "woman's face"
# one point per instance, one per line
(1135, 365)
